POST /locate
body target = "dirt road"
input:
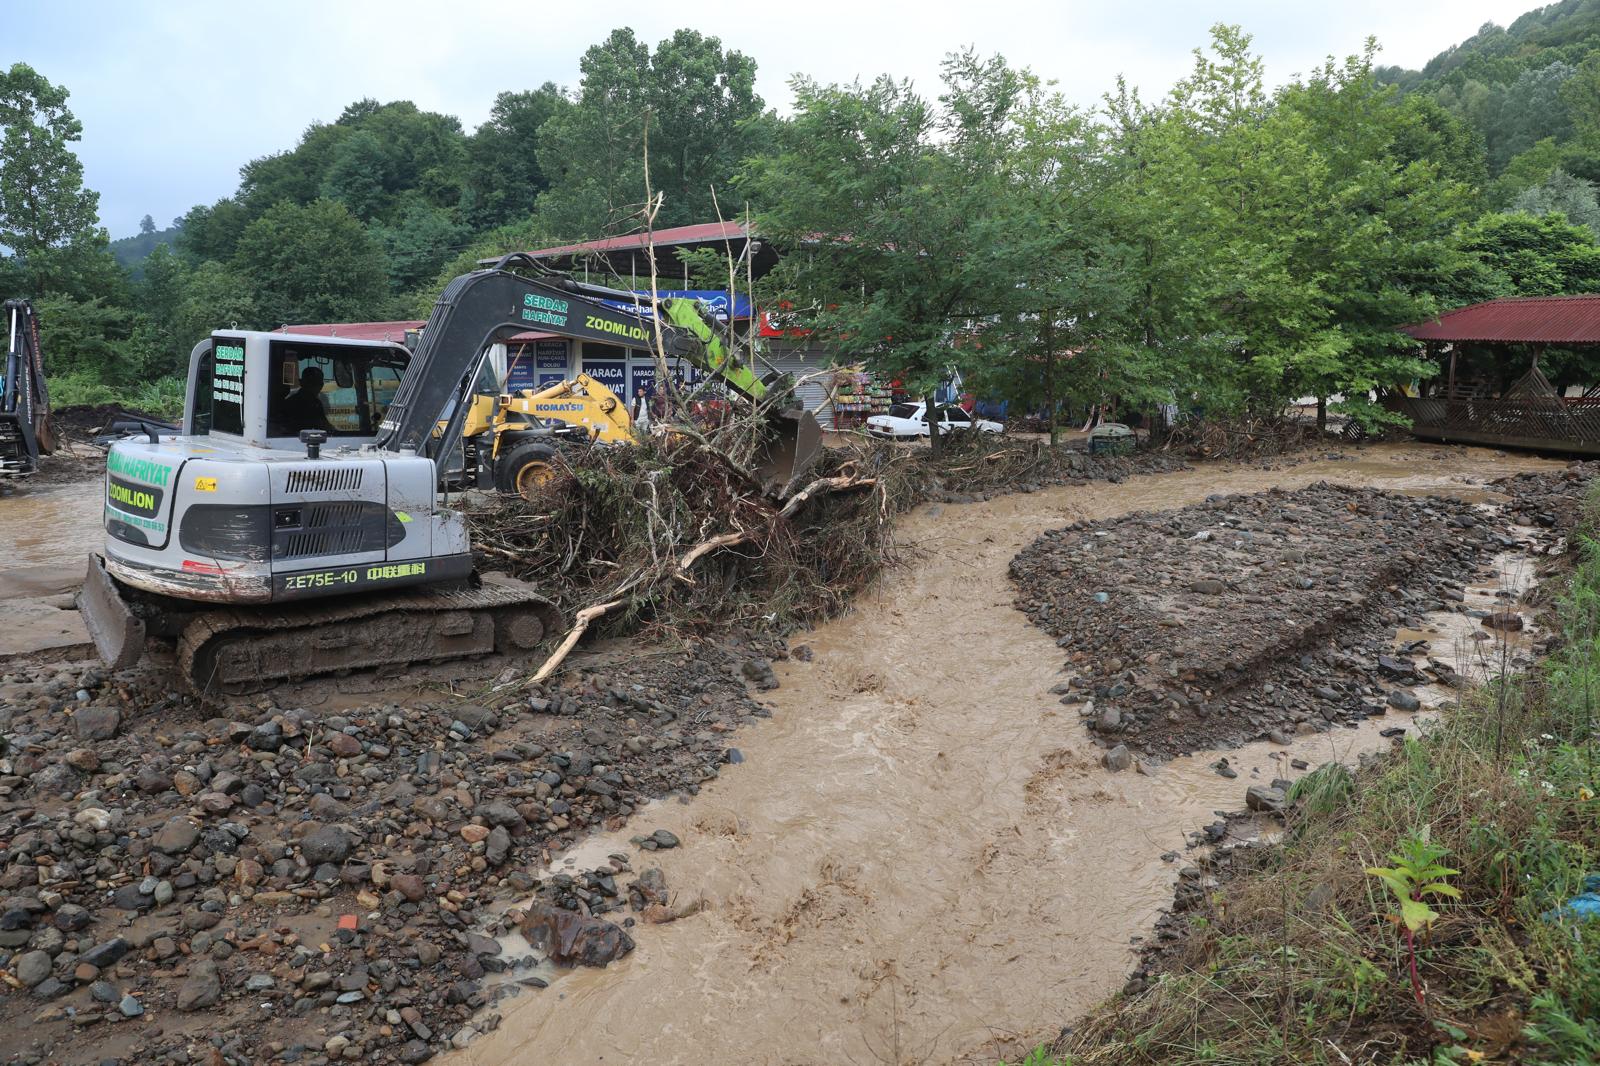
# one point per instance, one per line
(922, 860)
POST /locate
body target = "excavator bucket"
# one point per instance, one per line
(117, 633)
(794, 440)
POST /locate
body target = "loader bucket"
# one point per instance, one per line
(117, 633)
(794, 440)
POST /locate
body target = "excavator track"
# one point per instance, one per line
(239, 650)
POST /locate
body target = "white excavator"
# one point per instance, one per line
(295, 525)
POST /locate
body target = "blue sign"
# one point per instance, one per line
(644, 377)
(550, 379)
(550, 354)
(716, 299)
(613, 374)
(519, 373)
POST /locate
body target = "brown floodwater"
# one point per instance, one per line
(49, 525)
(921, 859)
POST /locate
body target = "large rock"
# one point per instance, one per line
(475, 717)
(1510, 621)
(176, 836)
(497, 846)
(570, 938)
(1263, 798)
(500, 812)
(415, 1051)
(33, 967)
(97, 723)
(330, 844)
(1117, 759)
(759, 673)
(106, 954)
(202, 988)
(1401, 700)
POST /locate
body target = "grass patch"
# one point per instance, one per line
(161, 397)
(1308, 957)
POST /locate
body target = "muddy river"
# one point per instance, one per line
(921, 859)
(49, 525)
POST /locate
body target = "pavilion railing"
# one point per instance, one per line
(1536, 421)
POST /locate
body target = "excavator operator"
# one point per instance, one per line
(302, 408)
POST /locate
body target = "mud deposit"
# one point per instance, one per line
(921, 859)
(1250, 616)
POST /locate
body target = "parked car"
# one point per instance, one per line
(907, 421)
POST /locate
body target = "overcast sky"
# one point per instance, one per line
(174, 96)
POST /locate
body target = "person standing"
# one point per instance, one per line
(640, 409)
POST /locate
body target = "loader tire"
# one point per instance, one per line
(526, 468)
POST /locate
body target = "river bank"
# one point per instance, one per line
(1303, 952)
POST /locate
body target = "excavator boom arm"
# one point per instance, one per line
(473, 311)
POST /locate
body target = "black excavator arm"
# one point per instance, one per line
(25, 429)
(479, 308)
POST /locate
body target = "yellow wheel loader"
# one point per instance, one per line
(521, 463)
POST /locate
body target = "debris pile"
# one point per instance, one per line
(1246, 439)
(672, 534)
(1250, 616)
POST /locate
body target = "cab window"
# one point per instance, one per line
(340, 389)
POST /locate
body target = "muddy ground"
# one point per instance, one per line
(897, 872)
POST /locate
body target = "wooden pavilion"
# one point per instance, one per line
(1482, 408)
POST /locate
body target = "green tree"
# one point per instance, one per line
(504, 177)
(1520, 254)
(704, 118)
(87, 339)
(1162, 210)
(1065, 337)
(1531, 109)
(1369, 227)
(419, 243)
(147, 225)
(214, 297)
(43, 203)
(360, 175)
(160, 293)
(1561, 193)
(896, 212)
(212, 232)
(311, 263)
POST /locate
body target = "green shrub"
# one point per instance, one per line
(162, 397)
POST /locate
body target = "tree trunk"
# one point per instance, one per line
(931, 412)
(1322, 414)
(1053, 417)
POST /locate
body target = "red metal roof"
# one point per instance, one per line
(356, 331)
(706, 231)
(1517, 320)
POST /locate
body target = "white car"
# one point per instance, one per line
(907, 421)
